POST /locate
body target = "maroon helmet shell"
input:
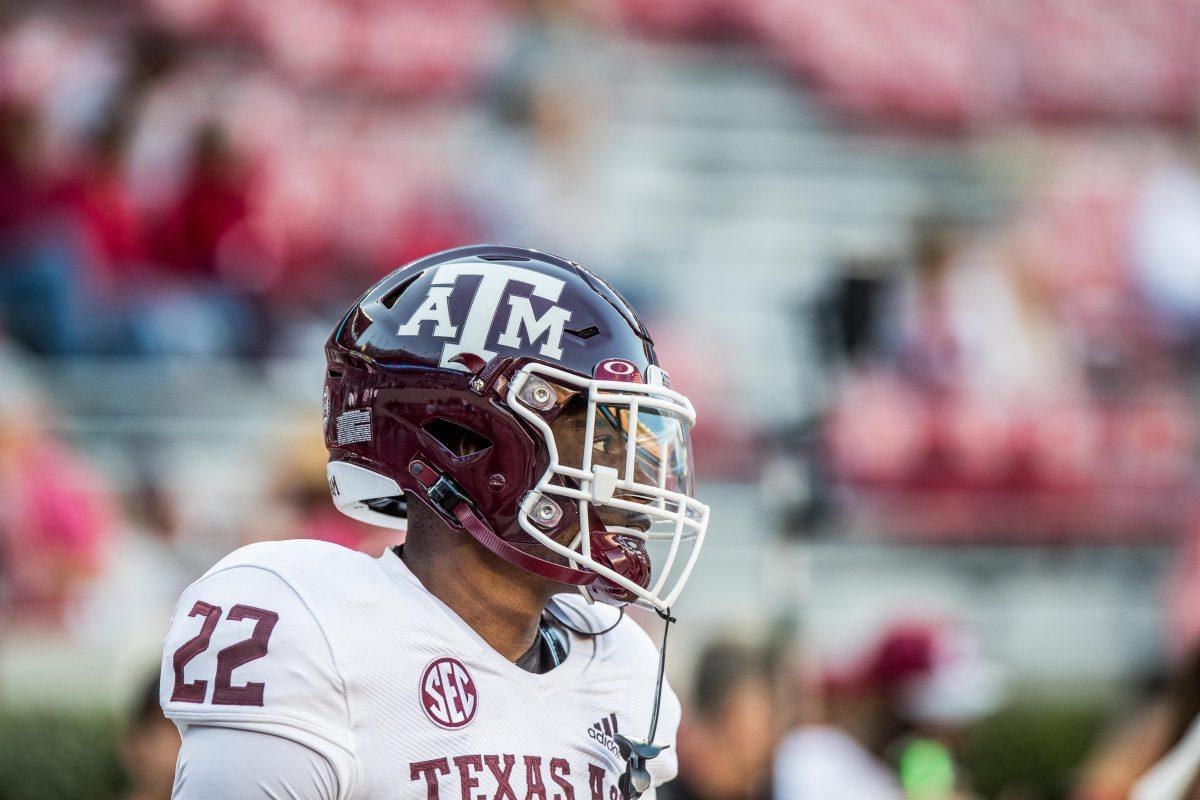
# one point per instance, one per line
(423, 399)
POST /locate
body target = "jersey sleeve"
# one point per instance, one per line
(227, 762)
(245, 651)
(1176, 774)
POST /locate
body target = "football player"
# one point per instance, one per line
(507, 407)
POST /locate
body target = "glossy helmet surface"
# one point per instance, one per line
(445, 384)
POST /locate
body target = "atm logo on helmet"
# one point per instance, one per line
(471, 334)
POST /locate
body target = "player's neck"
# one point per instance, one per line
(502, 606)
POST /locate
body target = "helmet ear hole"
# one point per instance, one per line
(458, 440)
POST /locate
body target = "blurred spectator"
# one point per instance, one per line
(894, 722)
(94, 202)
(1181, 594)
(1143, 741)
(144, 575)
(970, 319)
(928, 343)
(1177, 775)
(299, 507)
(1125, 755)
(1165, 245)
(1153, 753)
(211, 205)
(1017, 365)
(728, 729)
(821, 761)
(20, 168)
(191, 308)
(149, 748)
(56, 515)
(37, 290)
(850, 311)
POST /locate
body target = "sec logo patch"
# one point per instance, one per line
(448, 693)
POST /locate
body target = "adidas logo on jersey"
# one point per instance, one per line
(604, 731)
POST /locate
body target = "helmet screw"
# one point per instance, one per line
(547, 512)
(416, 468)
(538, 394)
(477, 385)
(496, 482)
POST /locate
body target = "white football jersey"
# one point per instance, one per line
(352, 657)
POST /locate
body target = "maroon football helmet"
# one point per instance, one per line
(519, 397)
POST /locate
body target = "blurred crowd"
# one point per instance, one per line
(204, 177)
(159, 197)
(214, 178)
(78, 552)
(1052, 60)
(1032, 378)
(902, 720)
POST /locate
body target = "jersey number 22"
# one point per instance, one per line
(229, 659)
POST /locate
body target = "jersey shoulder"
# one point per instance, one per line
(298, 559)
(249, 647)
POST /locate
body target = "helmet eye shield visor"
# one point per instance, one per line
(650, 449)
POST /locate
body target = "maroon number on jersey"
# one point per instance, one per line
(228, 659)
(234, 656)
(194, 692)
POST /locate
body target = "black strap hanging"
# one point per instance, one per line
(637, 753)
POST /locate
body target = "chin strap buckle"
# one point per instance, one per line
(441, 490)
(636, 779)
(446, 495)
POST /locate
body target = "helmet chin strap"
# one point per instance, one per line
(443, 493)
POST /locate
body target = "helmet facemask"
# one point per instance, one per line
(624, 467)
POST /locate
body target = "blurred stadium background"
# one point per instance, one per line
(930, 271)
